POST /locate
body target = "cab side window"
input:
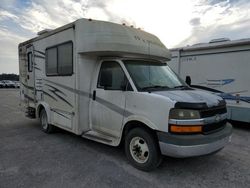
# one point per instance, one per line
(111, 76)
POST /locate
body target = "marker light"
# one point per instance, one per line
(185, 129)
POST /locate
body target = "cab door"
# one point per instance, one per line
(108, 99)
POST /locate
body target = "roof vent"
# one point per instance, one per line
(219, 40)
(43, 31)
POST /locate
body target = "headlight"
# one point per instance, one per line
(184, 114)
(190, 126)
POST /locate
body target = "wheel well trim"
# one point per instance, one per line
(142, 121)
(44, 105)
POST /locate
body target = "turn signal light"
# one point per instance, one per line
(185, 129)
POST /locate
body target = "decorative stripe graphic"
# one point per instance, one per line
(86, 94)
(37, 68)
(38, 56)
(109, 105)
(55, 91)
(28, 97)
(60, 114)
(45, 93)
(40, 52)
(220, 82)
(28, 87)
(113, 107)
(227, 96)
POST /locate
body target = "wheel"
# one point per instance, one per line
(46, 127)
(142, 149)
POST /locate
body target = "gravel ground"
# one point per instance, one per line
(31, 158)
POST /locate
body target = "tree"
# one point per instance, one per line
(13, 77)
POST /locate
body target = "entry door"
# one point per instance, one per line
(108, 99)
(29, 80)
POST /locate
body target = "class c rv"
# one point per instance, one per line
(220, 67)
(111, 83)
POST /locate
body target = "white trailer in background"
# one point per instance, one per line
(110, 83)
(220, 65)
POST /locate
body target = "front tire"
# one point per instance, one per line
(142, 149)
(46, 127)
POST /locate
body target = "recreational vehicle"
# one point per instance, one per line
(110, 83)
(221, 67)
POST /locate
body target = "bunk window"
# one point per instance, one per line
(51, 57)
(65, 59)
(59, 60)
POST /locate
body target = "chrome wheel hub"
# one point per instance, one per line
(139, 149)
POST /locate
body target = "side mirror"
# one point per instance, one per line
(106, 79)
(188, 80)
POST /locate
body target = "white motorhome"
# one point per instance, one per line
(221, 67)
(110, 83)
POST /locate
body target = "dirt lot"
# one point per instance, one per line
(31, 158)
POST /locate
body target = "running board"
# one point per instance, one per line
(96, 136)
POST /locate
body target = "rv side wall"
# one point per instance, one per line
(217, 70)
(224, 69)
(53, 88)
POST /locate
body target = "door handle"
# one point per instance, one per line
(94, 95)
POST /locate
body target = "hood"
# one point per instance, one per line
(191, 96)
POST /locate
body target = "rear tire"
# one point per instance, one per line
(142, 149)
(46, 127)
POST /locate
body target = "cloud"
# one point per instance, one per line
(19, 23)
(195, 22)
(176, 23)
(7, 15)
(219, 19)
(8, 50)
(7, 3)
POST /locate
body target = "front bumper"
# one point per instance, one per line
(181, 146)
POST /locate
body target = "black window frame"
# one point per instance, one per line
(30, 65)
(126, 78)
(46, 59)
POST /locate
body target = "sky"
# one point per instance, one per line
(176, 22)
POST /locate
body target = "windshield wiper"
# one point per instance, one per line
(148, 88)
(181, 87)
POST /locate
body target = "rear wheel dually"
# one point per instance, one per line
(142, 149)
(46, 127)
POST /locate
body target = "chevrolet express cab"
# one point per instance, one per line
(111, 83)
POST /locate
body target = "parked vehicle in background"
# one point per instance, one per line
(8, 84)
(2, 85)
(110, 83)
(17, 84)
(221, 67)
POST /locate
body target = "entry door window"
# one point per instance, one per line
(111, 76)
(30, 64)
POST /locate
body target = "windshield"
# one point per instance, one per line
(151, 75)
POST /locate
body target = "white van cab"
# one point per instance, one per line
(111, 83)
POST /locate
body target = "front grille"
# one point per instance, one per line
(209, 112)
(213, 127)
